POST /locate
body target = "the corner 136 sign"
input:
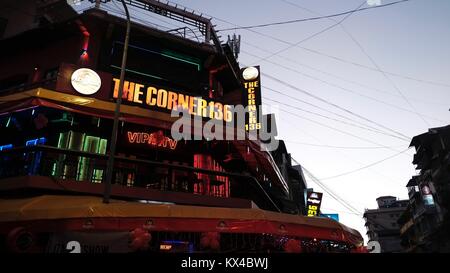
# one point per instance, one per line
(252, 96)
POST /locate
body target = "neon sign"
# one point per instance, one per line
(313, 203)
(252, 97)
(156, 139)
(160, 98)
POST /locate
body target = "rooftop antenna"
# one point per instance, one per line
(235, 45)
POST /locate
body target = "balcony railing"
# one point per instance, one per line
(74, 165)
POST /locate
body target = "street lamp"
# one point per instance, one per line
(112, 150)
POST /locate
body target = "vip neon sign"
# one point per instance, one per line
(156, 139)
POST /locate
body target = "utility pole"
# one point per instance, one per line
(112, 150)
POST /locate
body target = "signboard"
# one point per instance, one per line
(333, 216)
(151, 139)
(252, 97)
(313, 202)
(86, 81)
(166, 100)
(427, 196)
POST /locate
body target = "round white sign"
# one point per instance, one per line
(86, 81)
(250, 73)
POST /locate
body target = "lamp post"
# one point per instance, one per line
(112, 150)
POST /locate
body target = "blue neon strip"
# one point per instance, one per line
(34, 142)
(5, 147)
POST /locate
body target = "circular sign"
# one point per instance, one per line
(250, 73)
(86, 81)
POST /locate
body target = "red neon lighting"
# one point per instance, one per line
(157, 139)
(211, 79)
(206, 187)
(85, 44)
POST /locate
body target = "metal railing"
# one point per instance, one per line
(75, 165)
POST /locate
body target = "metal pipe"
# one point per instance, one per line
(112, 150)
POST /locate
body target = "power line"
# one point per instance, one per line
(330, 192)
(334, 105)
(313, 18)
(342, 88)
(331, 74)
(313, 35)
(365, 167)
(337, 120)
(328, 111)
(379, 69)
(143, 22)
(338, 130)
(385, 75)
(338, 147)
(328, 55)
(347, 156)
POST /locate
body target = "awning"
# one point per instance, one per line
(60, 207)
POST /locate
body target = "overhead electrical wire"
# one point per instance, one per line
(393, 84)
(333, 104)
(345, 155)
(330, 192)
(339, 147)
(314, 18)
(266, 88)
(337, 120)
(364, 167)
(143, 22)
(351, 36)
(343, 88)
(311, 36)
(330, 56)
(338, 130)
(293, 61)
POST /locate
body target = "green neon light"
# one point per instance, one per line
(172, 55)
(179, 57)
(7, 123)
(103, 145)
(139, 73)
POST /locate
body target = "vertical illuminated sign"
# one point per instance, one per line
(313, 201)
(252, 97)
(427, 196)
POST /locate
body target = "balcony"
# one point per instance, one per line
(36, 169)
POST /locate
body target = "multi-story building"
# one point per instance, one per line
(425, 224)
(295, 201)
(381, 223)
(59, 82)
